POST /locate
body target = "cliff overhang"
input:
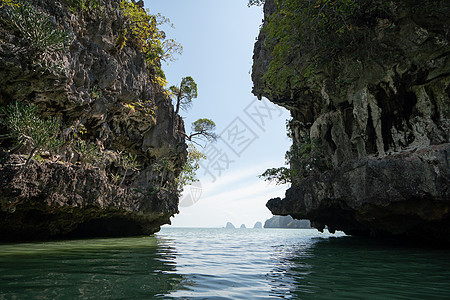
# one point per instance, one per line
(403, 195)
(376, 100)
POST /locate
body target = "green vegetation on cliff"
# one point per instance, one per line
(151, 40)
(202, 129)
(311, 40)
(39, 35)
(42, 38)
(83, 5)
(29, 130)
(305, 159)
(316, 27)
(369, 81)
(306, 38)
(86, 75)
(188, 173)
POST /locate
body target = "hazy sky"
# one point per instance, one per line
(218, 38)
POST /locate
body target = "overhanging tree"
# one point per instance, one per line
(184, 94)
(202, 130)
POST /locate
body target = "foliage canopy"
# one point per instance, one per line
(184, 94)
(188, 173)
(306, 37)
(83, 5)
(10, 3)
(203, 128)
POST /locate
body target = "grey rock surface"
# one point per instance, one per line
(102, 88)
(286, 222)
(383, 122)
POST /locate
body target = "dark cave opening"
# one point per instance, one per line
(396, 111)
(371, 146)
(329, 139)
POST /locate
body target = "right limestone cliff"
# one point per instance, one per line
(367, 84)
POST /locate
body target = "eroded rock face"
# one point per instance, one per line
(384, 123)
(95, 82)
(403, 194)
(55, 200)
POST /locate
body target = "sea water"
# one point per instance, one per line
(189, 263)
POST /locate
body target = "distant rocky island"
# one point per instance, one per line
(229, 225)
(277, 222)
(258, 225)
(286, 222)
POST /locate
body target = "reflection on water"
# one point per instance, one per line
(223, 264)
(353, 268)
(89, 269)
(281, 277)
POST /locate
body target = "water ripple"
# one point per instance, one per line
(223, 264)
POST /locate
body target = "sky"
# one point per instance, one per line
(218, 39)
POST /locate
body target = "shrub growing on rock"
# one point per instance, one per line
(305, 159)
(28, 129)
(149, 38)
(37, 29)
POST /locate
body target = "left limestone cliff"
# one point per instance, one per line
(107, 99)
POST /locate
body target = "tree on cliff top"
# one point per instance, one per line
(202, 130)
(185, 93)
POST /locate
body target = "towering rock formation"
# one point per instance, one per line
(102, 91)
(367, 84)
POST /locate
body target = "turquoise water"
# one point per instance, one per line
(181, 263)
